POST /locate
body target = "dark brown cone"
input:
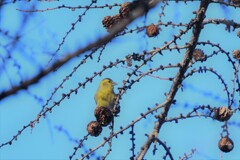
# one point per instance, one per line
(125, 9)
(222, 114)
(103, 115)
(108, 22)
(94, 128)
(152, 30)
(225, 144)
(198, 54)
(236, 54)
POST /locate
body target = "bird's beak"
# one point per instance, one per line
(114, 83)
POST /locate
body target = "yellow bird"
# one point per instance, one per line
(105, 95)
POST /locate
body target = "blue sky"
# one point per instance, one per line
(55, 136)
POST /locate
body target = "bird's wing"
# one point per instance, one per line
(100, 96)
(95, 98)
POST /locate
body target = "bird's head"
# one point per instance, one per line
(107, 83)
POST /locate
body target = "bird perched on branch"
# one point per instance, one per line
(105, 95)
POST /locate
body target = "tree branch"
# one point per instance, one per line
(140, 10)
(165, 147)
(178, 79)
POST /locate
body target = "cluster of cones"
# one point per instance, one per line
(104, 117)
(223, 114)
(124, 12)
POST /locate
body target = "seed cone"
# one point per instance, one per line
(236, 54)
(198, 54)
(222, 114)
(103, 115)
(108, 22)
(225, 144)
(125, 9)
(94, 128)
(152, 30)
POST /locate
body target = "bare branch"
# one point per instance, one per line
(139, 11)
(178, 79)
